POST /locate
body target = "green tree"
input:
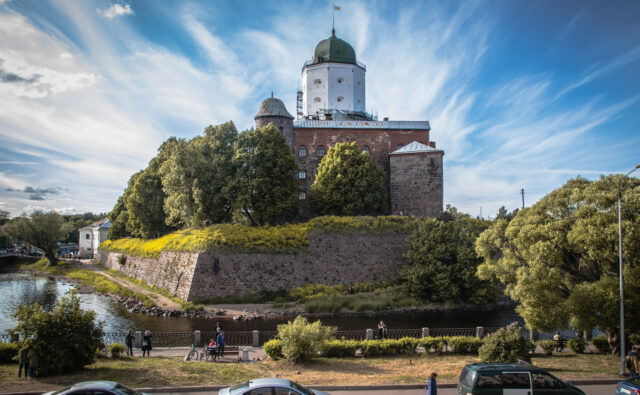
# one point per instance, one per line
(302, 340)
(41, 230)
(264, 183)
(119, 216)
(197, 178)
(348, 183)
(66, 339)
(4, 218)
(442, 263)
(145, 201)
(567, 238)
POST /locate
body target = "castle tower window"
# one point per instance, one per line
(365, 149)
(340, 80)
(340, 98)
(302, 151)
(317, 100)
(400, 145)
(317, 82)
(302, 195)
(281, 130)
(320, 151)
(302, 174)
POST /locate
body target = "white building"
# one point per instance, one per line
(333, 79)
(91, 236)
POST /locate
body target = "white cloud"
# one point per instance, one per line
(116, 10)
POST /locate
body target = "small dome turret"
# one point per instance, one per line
(273, 107)
(334, 49)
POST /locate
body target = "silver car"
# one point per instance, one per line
(269, 386)
(94, 388)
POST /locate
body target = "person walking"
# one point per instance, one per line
(24, 363)
(218, 328)
(432, 386)
(129, 342)
(221, 341)
(146, 343)
(380, 330)
(33, 359)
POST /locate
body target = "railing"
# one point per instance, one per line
(452, 332)
(352, 335)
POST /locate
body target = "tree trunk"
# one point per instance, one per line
(51, 256)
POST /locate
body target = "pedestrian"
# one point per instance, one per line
(24, 363)
(218, 328)
(33, 359)
(559, 341)
(129, 342)
(221, 341)
(432, 386)
(632, 361)
(380, 330)
(146, 343)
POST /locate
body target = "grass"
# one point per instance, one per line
(402, 369)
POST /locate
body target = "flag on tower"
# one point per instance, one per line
(335, 7)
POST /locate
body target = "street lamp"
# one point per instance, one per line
(622, 345)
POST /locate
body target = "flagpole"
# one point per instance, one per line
(333, 17)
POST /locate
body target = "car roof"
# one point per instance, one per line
(501, 366)
(100, 384)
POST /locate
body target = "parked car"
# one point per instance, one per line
(269, 386)
(511, 378)
(96, 387)
(629, 387)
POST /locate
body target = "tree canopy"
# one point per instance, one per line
(264, 189)
(41, 230)
(566, 239)
(348, 183)
(441, 262)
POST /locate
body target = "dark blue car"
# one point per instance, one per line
(629, 387)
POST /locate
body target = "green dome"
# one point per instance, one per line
(334, 49)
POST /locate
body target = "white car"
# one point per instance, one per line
(269, 386)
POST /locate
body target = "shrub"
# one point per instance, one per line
(273, 348)
(577, 344)
(601, 342)
(436, 344)
(116, 350)
(408, 344)
(465, 344)
(66, 339)
(634, 338)
(301, 340)
(8, 352)
(340, 348)
(506, 345)
(548, 346)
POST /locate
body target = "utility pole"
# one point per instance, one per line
(522, 193)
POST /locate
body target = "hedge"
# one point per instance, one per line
(8, 351)
(601, 342)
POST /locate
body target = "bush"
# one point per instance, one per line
(408, 344)
(465, 345)
(8, 352)
(436, 344)
(634, 338)
(548, 346)
(601, 342)
(273, 348)
(340, 348)
(301, 340)
(577, 344)
(116, 350)
(66, 339)
(506, 345)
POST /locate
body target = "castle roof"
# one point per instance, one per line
(273, 107)
(335, 124)
(414, 148)
(334, 49)
(103, 223)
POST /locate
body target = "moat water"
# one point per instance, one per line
(26, 288)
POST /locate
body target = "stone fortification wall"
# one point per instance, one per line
(330, 259)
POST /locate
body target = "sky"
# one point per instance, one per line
(519, 94)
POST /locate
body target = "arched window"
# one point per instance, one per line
(365, 149)
(302, 151)
(302, 174)
(302, 195)
(340, 80)
(317, 82)
(320, 151)
(317, 100)
(340, 98)
(281, 130)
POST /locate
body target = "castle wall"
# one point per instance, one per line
(330, 259)
(416, 183)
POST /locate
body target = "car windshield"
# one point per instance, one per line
(236, 387)
(301, 389)
(122, 390)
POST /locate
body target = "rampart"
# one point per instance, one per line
(330, 259)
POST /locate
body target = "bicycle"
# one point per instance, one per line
(192, 355)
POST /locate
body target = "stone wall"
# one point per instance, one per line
(416, 183)
(330, 259)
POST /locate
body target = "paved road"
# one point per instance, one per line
(600, 389)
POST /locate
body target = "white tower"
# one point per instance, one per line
(333, 79)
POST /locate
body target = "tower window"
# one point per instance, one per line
(358, 83)
(302, 174)
(317, 82)
(281, 130)
(365, 149)
(400, 145)
(302, 151)
(317, 100)
(320, 151)
(340, 80)
(302, 195)
(359, 101)
(340, 98)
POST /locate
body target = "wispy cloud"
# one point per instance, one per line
(116, 10)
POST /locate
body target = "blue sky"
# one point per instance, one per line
(519, 94)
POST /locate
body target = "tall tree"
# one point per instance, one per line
(197, 178)
(567, 238)
(441, 262)
(264, 184)
(41, 230)
(119, 216)
(348, 183)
